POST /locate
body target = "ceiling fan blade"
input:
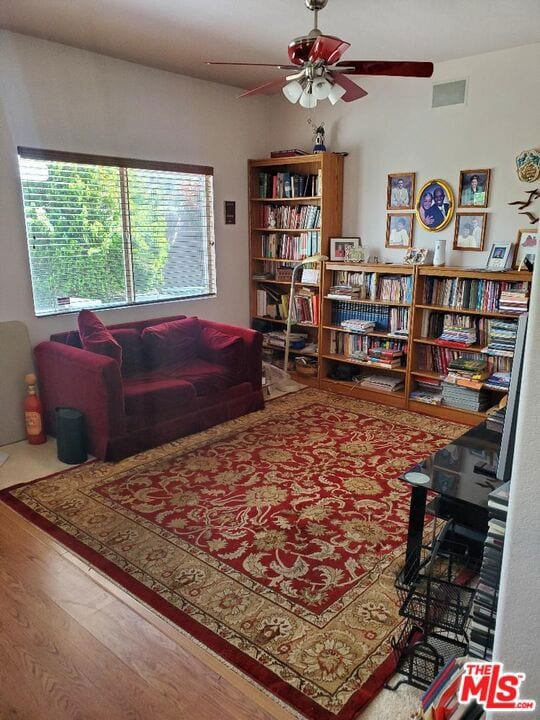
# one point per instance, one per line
(401, 68)
(280, 67)
(266, 89)
(352, 90)
(328, 48)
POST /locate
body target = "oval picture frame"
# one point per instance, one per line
(440, 214)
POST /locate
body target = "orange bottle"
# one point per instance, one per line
(33, 413)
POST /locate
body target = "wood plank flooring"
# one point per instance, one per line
(73, 646)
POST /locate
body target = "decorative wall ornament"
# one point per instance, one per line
(528, 165)
(522, 204)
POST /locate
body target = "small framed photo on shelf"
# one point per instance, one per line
(399, 231)
(500, 256)
(470, 231)
(341, 246)
(474, 188)
(526, 244)
(400, 191)
(415, 256)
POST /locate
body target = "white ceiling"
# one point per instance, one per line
(179, 35)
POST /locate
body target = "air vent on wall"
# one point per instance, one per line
(449, 93)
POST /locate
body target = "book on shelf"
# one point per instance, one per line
(382, 383)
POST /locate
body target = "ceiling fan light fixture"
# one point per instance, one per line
(293, 91)
(336, 93)
(321, 88)
(308, 99)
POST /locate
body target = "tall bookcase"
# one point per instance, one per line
(382, 294)
(295, 206)
(475, 297)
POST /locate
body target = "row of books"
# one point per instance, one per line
(374, 286)
(502, 338)
(283, 271)
(274, 304)
(357, 345)
(437, 359)
(290, 247)
(289, 185)
(484, 609)
(441, 700)
(289, 216)
(379, 314)
(515, 300)
(472, 293)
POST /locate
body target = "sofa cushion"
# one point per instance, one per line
(156, 397)
(205, 377)
(96, 338)
(222, 349)
(133, 355)
(172, 343)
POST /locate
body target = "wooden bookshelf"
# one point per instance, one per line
(375, 300)
(319, 185)
(423, 348)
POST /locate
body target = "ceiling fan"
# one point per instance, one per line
(320, 73)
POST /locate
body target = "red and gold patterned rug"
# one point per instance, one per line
(273, 539)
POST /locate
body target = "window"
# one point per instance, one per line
(108, 232)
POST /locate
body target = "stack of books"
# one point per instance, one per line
(514, 299)
(501, 338)
(347, 292)
(457, 336)
(440, 701)
(465, 398)
(297, 341)
(498, 381)
(467, 372)
(382, 383)
(428, 390)
(463, 385)
(484, 608)
(385, 357)
(358, 326)
(495, 420)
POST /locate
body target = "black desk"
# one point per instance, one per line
(455, 474)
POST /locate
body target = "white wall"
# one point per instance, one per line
(61, 98)
(394, 129)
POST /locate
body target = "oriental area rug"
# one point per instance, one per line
(273, 539)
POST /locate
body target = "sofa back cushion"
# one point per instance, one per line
(222, 349)
(97, 338)
(172, 343)
(133, 356)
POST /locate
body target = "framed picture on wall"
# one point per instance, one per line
(400, 191)
(435, 205)
(527, 243)
(474, 188)
(470, 231)
(399, 231)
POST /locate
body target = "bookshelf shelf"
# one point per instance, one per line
(354, 361)
(465, 311)
(436, 343)
(306, 180)
(338, 328)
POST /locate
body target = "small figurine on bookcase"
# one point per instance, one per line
(318, 137)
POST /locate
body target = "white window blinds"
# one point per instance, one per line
(106, 232)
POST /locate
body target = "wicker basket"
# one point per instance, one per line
(305, 367)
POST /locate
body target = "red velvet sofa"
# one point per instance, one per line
(161, 391)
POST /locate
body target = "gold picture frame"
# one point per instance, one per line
(431, 214)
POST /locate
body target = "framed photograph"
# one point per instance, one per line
(474, 188)
(399, 231)
(339, 247)
(526, 244)
(500, 256)
(470, 231)
(435, 205)
(400, 191)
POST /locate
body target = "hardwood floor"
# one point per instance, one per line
(71, 648)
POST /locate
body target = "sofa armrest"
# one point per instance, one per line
(253, 347)
(72, 377)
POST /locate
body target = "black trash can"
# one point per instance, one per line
(70, 436)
